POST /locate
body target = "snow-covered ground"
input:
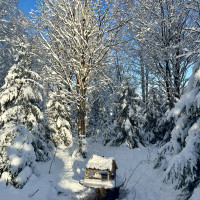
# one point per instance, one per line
(67, 169)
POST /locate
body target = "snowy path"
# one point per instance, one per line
(68, 180)
(63, 182)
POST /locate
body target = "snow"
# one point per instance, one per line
(62, 122)
(196, 194)
(24, 175)
(124, 104)
(186, 101)
(127, 125)
(28, 93)
(99, 162)
(95, 183)
(68, 169)
(5, 176)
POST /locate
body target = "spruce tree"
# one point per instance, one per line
(23, 139)
(13, 27)
(128, 126)
(155, 126)
(180, 156)
(58, 112)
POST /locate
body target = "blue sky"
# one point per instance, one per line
(27, 5)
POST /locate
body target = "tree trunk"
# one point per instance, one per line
(177, 82)
(143, 81)
(147, 83)
(177, 75)
(84, 78)
(81, 127)
(168, 84)
(81, 119)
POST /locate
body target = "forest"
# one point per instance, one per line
(116, 78)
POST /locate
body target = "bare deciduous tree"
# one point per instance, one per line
(161, 29)
(77, 36)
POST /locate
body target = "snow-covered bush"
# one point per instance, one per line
(17, 153)
(128, 125)
(180, 157)
(23, 139)
(58, 118)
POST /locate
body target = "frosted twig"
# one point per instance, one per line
(133, 173)
(136, 182)
(30, 195)
(52, 160)
(134, 195)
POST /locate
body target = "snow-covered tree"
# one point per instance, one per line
(194, 48)
(12, 28)
(155, 125)
(180, 156)
(77, 36)
(102, 114)
(128, 125)
(23, 139)
(58, 112)
(160, 31)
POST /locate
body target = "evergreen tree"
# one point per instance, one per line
(156, 127)
(180, 156)
(13, 27)
(58, 118)
(128, 126)
(23, 139)
(101, 113)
